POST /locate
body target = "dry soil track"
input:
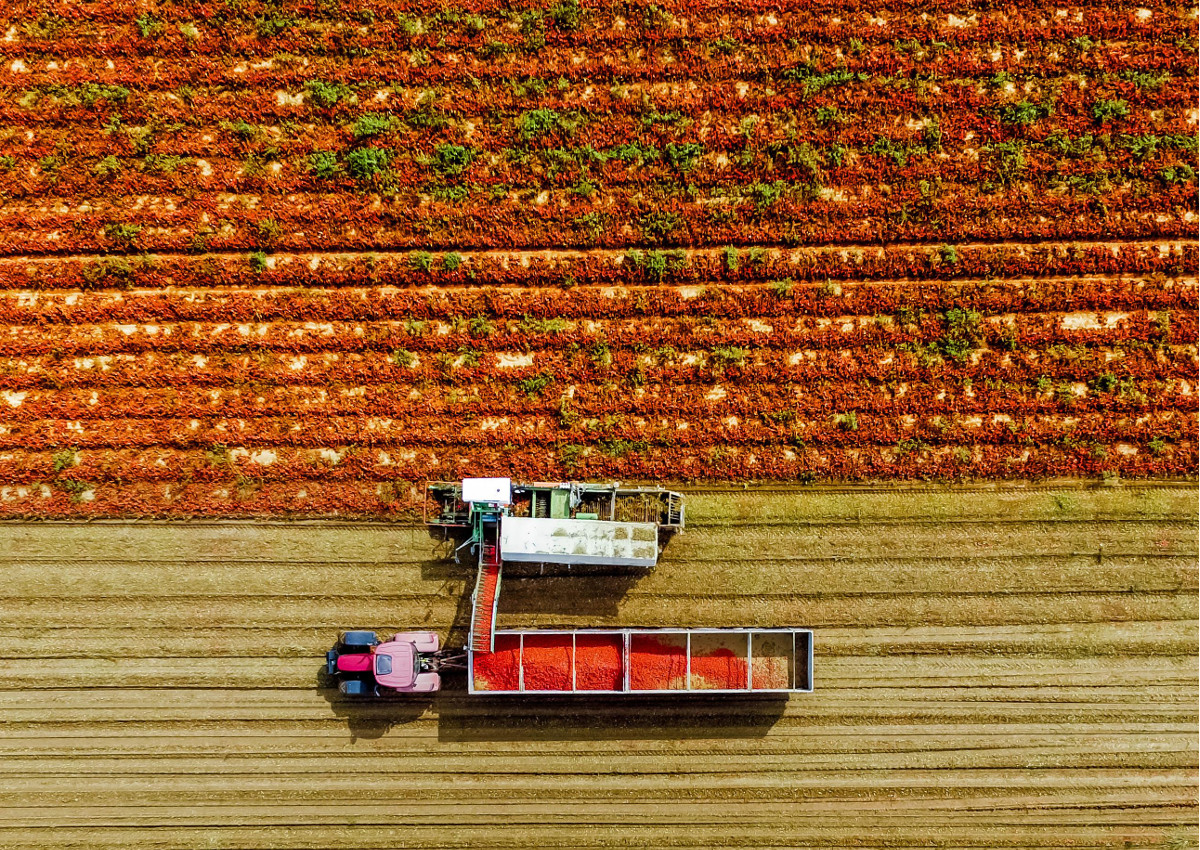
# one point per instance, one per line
(1003, 669)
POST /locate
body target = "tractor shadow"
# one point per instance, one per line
(370, 719)
(465, 718)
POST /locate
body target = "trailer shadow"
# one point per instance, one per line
(463, 718)
(458, 580)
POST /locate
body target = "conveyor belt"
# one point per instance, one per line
(487, 590)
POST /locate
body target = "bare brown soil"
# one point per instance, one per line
(1002, 669)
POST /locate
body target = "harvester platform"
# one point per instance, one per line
(565, 524)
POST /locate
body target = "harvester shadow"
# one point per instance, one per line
(581, 591)
(463, 718)
(458, 580)
(586, 591)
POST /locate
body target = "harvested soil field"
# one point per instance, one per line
(1006, 668)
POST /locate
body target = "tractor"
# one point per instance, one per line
(407, 663)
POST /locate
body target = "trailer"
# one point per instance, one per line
(644, 661)
(569, 525)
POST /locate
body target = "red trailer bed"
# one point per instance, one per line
(648, 661)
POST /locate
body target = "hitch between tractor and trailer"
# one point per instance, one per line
(445, 660)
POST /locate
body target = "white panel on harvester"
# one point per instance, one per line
(578, 541)
(498, 491)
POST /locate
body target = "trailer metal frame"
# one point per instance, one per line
(801, 662)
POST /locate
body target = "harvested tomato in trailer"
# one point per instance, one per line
(568, 525)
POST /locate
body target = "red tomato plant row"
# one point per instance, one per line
(409, 222)
(245, 493)
(968, 269)
(460, 300)
(252, 374)
(466, 345)
(747, 392)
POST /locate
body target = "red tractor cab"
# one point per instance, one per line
(409, 662)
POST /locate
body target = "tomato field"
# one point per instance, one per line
(278, 257)
(292, 259)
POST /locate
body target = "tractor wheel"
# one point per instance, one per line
(359, 640)
(356, 688)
